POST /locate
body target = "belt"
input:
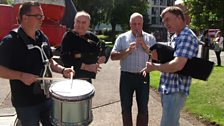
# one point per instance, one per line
(83, 78)
(130, 73)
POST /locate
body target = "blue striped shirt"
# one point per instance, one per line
(136, 61)
(185, 45)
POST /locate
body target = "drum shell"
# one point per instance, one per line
(75, 113)
(74, 109)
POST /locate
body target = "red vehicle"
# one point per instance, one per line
(58, 14)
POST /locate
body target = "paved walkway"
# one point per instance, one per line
(106, 103)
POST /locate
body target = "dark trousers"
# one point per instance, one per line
(205, 52)
(130, 83)
(217, 53)
(31, 116)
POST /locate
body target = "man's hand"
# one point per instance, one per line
(149, 67)
(132, 47)
(68, 72)
(91, 67)
(116, 55)
(28, 78)
(101, 59)
(140, 41)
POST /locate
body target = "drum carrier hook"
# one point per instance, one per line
(47, 70)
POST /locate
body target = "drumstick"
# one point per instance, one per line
(71, 77)
(49, 78)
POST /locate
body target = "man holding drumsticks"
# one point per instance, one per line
(24, 54)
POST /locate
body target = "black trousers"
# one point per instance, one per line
(217, 53)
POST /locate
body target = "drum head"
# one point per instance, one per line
(72, 91)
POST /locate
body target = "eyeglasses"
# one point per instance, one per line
(38, 16)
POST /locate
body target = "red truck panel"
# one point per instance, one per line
(7, 19)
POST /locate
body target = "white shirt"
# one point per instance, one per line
(136, 61)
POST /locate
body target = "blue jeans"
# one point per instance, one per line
(172, 105)
(128, 84)
(31, 116)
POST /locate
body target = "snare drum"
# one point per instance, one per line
(72, 102)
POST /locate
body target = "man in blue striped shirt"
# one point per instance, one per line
(174, 88)
(132, 49)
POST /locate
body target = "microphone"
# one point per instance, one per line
(137, 33)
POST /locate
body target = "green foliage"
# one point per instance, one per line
(206, 14)
(107, 38)
(96, 8)
(112, 11)
(206, 97)
(9, 2)
(102, 37)
(5, 2)
(122, 9)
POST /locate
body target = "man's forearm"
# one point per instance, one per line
(174, 65)
(120, 55)
(9, 73)
(56, 67)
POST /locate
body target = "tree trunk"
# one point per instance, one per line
(113, 25)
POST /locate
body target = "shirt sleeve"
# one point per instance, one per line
(186, 47)
(221, 40)
(117, 44)
(6, 50)
(151, 40)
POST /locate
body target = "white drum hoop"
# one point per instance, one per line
(78, 90)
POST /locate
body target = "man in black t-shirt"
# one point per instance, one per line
(82, 49)
(24, 53)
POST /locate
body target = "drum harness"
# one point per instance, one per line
(47, 72)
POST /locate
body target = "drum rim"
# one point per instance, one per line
(73, 99)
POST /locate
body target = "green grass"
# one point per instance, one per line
(206, 100)
(103, 37)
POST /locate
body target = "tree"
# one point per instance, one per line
(96, 8)
(122, 9)
(206, 14)
(5, 2)
(112, 11)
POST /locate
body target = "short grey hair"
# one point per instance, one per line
(135, 15)
(82, 13)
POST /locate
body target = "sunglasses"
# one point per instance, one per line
(37, 16)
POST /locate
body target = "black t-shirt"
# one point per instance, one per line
(76, 50)
(14, 54)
